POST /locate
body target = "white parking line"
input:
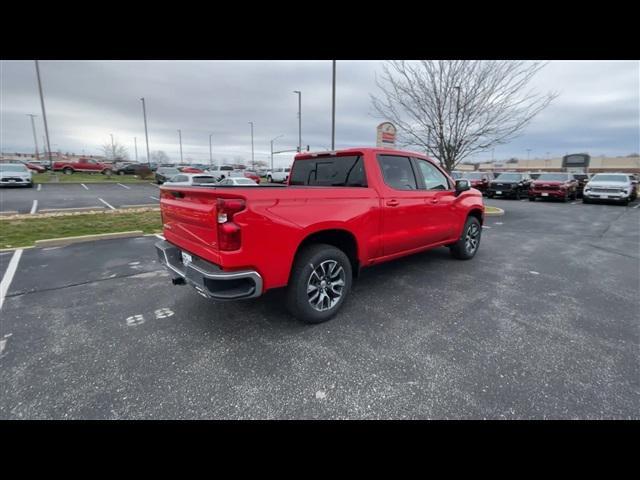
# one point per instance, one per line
(85, 187)
(155, 198)
(110, 206)
(8, 276)
(124, 186)
(34, 207)
(39, 187)
(637, 206)
(159, 236)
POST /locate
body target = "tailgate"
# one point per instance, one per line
(189, 220)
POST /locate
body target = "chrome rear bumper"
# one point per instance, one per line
(207, 278)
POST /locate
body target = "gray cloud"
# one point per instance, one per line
(597, 111)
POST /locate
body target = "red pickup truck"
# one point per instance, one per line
(82, 165)
(340, 211)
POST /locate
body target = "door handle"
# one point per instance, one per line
(434, 200)
(393, 202)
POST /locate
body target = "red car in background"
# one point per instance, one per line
(190, 170)
(31, 166)
(252, 175)
(563, 186)
(82, 165)
(478, 180)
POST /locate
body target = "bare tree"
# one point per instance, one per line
(115, 151)
(452, 109)
(159, 156)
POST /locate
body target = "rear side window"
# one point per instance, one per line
(433, 178)
(330, 172)
(397, 172)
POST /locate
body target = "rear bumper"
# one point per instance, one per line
(207, 278)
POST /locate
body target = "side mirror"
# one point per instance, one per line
(462, 185)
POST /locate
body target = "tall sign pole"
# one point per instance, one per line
(135, 145)
(210, 152)
(146, 133)
(35, 139)
(44, 116)
(333, 109)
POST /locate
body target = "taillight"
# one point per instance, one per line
(228, 231)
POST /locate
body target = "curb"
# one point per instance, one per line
(499, 213)
(57, 242)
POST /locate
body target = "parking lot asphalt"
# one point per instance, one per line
(52, 196)
(542, 323)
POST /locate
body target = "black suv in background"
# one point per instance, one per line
(510, 185)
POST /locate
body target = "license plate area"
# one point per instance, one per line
(498, 192)
(186, 258)
(545, 194)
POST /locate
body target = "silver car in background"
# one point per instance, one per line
(615, 187)
(15, 174)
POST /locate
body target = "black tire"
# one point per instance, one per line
(67, 171)
(30, 185)
(107, 171)
(270, 179)
(309, 260)
(532, 199)
(585, 200)
(517, 195)
(463, 249)
(121, 172)
(489, 195)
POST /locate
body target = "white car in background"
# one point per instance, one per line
(616, 187)
(189, 179)
(238, 182)
(220, 171)
(15, 174)
(280, 174)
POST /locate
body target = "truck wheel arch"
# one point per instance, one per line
(341, 239)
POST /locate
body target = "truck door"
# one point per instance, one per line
(405, 207)
(439, 196)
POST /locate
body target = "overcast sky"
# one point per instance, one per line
(598, 110)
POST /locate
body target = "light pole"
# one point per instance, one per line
(44, 115)
(146, 134)
(272, 140)
(210, 151)
(252, 159)
(180, 137)
(35, 139)
(528, 151)
(333, 109)
(113, 148)
(135, 146)
(299, 119)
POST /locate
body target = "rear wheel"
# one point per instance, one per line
(67, 171)
(467, 245)
(121, 172)
(532, 198)
(320, 281)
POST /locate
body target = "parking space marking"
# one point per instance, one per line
(637, 206)
(8, 276)
(85, 187)
(39, 187)
(34, 207)
(108, 205)
(533, 272)
(163, 313)
(134, 320)
(124, 186)
(154, 198)
(161, 237)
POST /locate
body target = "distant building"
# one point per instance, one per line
(596, 165)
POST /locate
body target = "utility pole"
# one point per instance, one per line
(333, 109)
(252, 159)
(272, 140)
(180, 136)
(113, 148)
(135, 145)
(35, 139)
(299, 119)
(44, 116)
(528, 150)
(146, 134)
(210, 151)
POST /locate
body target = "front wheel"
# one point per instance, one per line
(532, 198)
(121, 172)
(67, 171)
(467, 245)
(319, 284)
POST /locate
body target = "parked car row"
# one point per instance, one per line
(618, 187)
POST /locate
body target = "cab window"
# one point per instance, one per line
(433, 178)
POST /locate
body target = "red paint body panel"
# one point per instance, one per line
(82, 165)
(555, 189)
(277, 220)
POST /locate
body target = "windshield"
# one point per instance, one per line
(610, 178)
(168, 171)
(509, 177)
(473, 176)
(204, 180)
(12, 167)
(456, 175)
(243, 181)
(553, 177)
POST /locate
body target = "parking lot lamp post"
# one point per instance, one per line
(35, 138)
(252, 158)
(44, 116)
(299, 119)
(272, 140)
(333, 108)
(210, 152)
(113, 148)
(146, 133)
(180, 137)
(528, 151)
(135, 146)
